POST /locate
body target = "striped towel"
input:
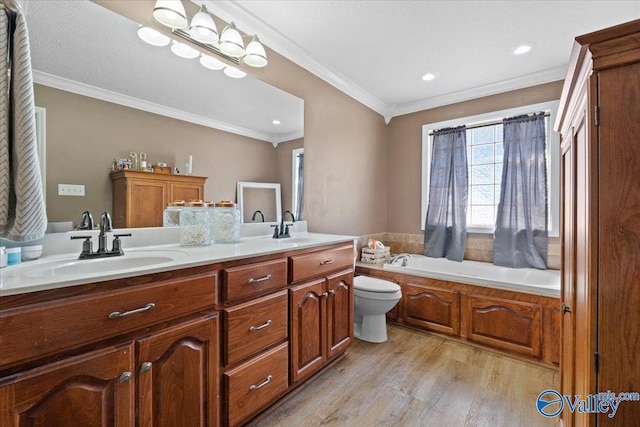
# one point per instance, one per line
(25, 218)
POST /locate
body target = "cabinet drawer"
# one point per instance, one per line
(252, 386)
(253, 279)
(315, 264)
(43, 329)
(254, 326)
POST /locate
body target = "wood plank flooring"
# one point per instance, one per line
(420, 379)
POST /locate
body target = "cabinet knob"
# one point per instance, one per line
(332, 292)
(125, 377)
(566, 308)
(146, 367)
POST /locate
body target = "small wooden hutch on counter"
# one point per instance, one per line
(139, 198)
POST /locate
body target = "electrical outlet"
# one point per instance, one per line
(70, 190)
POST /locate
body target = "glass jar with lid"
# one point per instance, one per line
(171, 215)
(226, 222)
(195, 224)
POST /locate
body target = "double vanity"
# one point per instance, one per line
(167, 335)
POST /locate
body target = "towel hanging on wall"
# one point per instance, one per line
(22, 208)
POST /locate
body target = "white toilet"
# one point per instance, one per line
(373, 298)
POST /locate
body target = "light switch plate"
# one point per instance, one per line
(70, 190)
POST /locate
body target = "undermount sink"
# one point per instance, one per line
(66, 267)
(297, 240)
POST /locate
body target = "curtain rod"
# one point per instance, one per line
(486, 124)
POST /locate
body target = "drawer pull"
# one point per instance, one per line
(262, 384)
(118, 314)
(257, 328)
(259, 279)
(329, 261)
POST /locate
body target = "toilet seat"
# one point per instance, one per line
(373, 285)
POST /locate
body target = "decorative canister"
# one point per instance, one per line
(195, 224)
(226, 222)
(171, 215)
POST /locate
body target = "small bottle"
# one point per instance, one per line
(171, 215)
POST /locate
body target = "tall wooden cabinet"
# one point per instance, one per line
(600, 124)
(139, 198)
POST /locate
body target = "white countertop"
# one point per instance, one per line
(62, 270)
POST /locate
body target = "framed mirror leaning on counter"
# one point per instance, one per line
(259, 202)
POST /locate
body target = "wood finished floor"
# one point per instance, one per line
(419, 379)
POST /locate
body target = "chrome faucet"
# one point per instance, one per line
(105, 227)
(283, 231)
(86, 222)
(395, 260)
(253, 218)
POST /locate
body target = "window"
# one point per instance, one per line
(484, 160)
(294, 179)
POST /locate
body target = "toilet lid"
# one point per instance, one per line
(371, 284)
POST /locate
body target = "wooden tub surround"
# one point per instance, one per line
(521, 324)
(202, 346)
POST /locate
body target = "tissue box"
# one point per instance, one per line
(375, 256)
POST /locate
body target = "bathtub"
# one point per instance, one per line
(528, 280)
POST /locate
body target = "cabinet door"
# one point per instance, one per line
(308, 329)
(178, 375)
(431, 308)
(92, 390)
(339, 312)
(186, 191)
(568, 348)
(510, 325)
(146, 201)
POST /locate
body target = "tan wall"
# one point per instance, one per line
(283, 165)
(404, 149)
(85, 134)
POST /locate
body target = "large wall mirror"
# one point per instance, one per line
(107, 93)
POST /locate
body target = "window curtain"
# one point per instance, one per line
(445, 231)
(22, 208)
(521, 236)
(300, 188)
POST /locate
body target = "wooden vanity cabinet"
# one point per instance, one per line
(321, 309)
(158, 366)
(139, 198)
(255, 344)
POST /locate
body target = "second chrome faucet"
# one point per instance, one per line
(105, 227)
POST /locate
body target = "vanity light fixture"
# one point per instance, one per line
(183, 50)
(234, 73)
(170, 13)
(231, 42)
(202, 27)
(255, 55)
(153, 37)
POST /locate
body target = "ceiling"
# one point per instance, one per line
(84, 48)
(377, 51)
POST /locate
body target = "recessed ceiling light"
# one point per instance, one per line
(428, 77)
(522, 49)
(276, 122)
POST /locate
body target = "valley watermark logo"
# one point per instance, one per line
(550, 403)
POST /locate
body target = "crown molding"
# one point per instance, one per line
(250, 24)
(545, 76)
(139, 104)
